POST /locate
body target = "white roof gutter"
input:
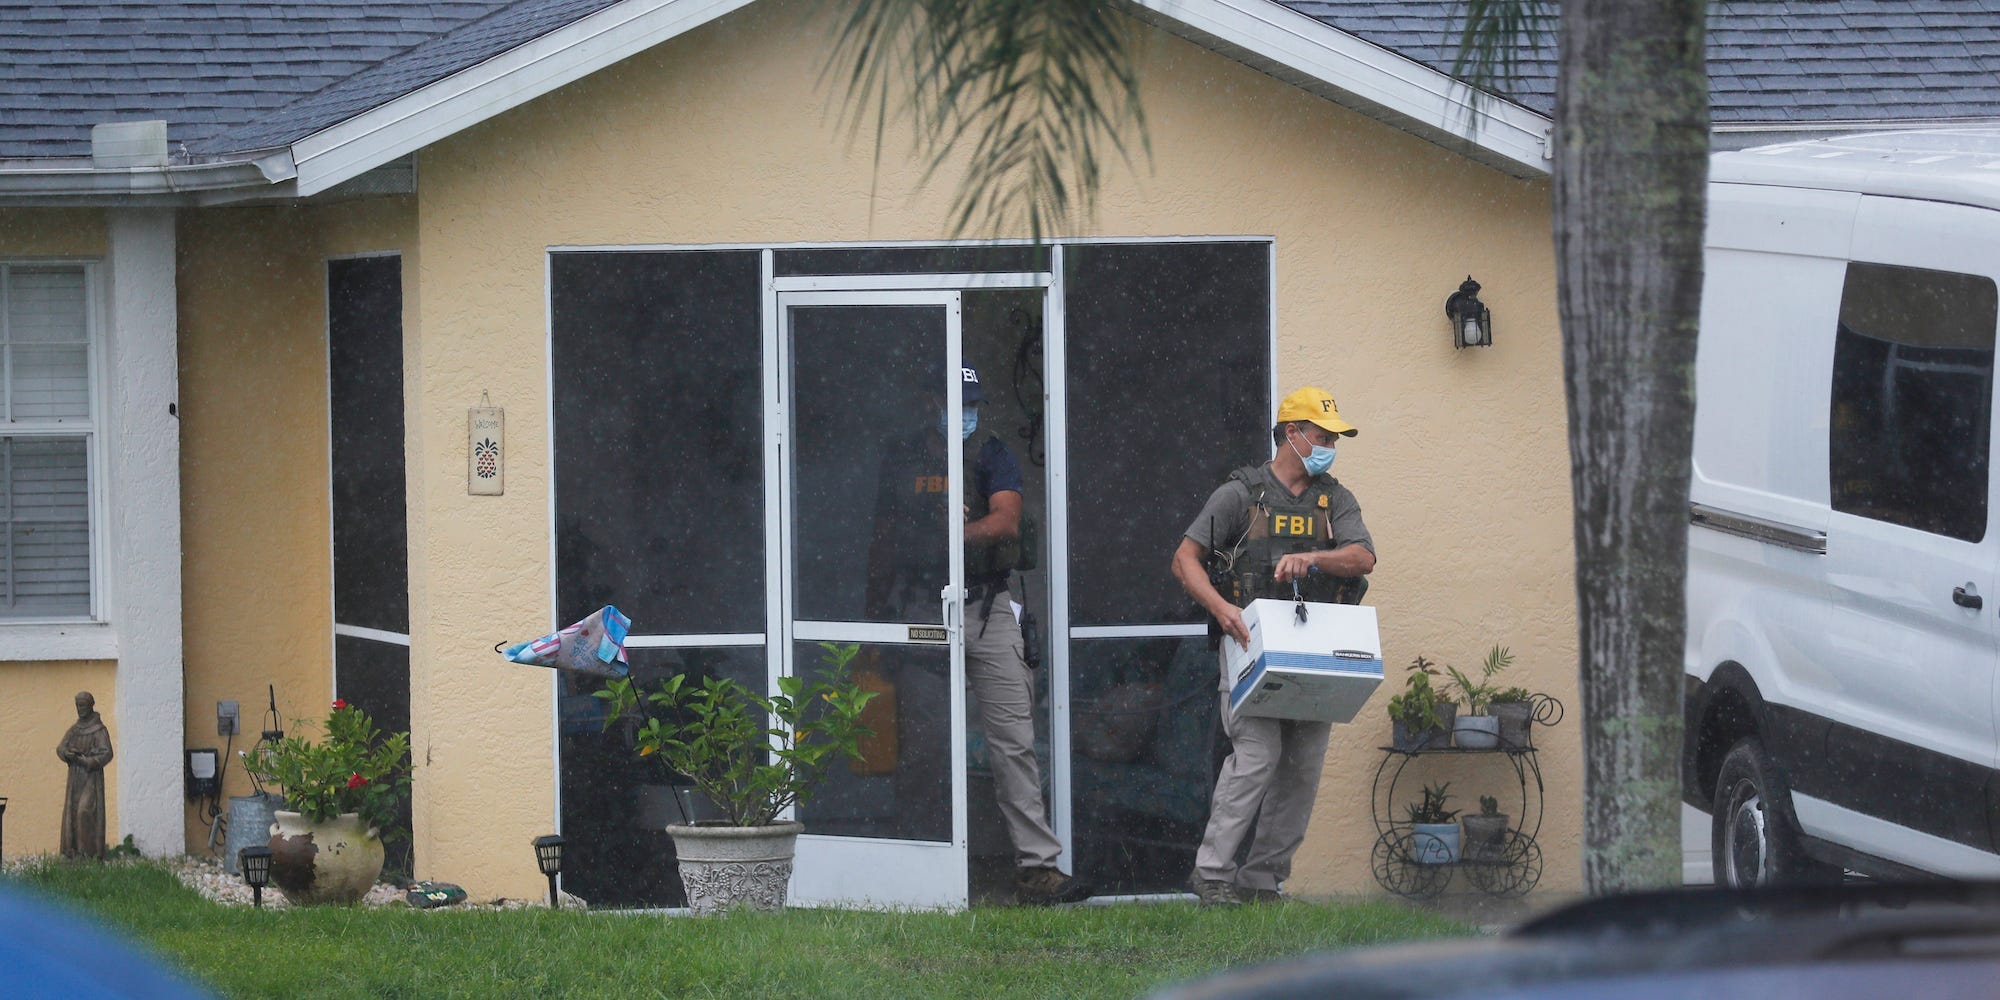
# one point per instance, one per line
(128, 164)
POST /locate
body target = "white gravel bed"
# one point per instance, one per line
(216, 884)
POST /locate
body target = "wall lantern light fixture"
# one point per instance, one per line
(1471, 321)
(549, 857)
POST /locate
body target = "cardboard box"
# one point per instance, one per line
(1323, 668)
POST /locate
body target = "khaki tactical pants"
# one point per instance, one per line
(1268, 782)
(999, 678)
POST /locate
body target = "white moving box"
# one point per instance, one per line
(1323, 668)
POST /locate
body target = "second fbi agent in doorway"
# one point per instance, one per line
(1268, 528)
(913, 485)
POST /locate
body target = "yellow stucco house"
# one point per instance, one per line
(257, 274)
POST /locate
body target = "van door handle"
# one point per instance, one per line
(1963, 599)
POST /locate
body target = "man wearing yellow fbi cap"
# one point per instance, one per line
(1263, 530)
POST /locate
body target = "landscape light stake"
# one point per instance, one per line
(549, 857)
(255, 862)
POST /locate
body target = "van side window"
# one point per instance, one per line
(1912, 398)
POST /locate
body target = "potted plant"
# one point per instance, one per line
(341, 792)
(1486, 833)
(1477, 729)
(752, 757)
(1515, 709)
(1420, 718)
(1433, 828)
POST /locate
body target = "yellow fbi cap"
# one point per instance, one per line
(1314, 405)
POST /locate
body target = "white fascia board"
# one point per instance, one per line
(1374, 75)
(76, 183)
(506, 81)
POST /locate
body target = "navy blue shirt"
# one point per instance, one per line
(996, 469)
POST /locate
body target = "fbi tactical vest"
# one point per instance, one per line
(1279, 526)
(924, 492)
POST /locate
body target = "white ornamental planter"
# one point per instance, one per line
(335, 861)
(1434, 843)
(723, 867)
(1477, 732)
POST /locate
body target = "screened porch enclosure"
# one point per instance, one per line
(1126, 377)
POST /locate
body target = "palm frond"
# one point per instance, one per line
(1029, 92)
(1492, 39)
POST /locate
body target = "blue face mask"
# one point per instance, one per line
(1318, 462)
(968, 423)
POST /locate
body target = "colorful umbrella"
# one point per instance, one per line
(595, 645)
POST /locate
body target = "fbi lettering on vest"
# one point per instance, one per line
(1292, 525)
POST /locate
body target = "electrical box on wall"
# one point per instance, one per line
(227, 716)
(204, 773)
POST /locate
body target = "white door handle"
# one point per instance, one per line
(952, 608)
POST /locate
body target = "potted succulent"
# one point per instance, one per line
(752, 757)
(1515, 708)
(340, 793)
(1486, 833)
(1433, 828)
(1477, 729)
(1420, 718)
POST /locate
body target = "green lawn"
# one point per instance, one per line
(1109, 951)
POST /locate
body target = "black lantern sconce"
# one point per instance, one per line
(255, 863)
(1471, 321)
(549, 857)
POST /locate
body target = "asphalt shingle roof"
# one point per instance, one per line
(502, 29)
(203, 67)
(236, 75)
(1795, 61)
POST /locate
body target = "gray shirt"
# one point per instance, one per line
(1226, 516)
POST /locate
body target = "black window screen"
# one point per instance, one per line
(1912, 398)
(911, 260)
(365, 382)
(1169, 353)
(371, 582)
(659, 453)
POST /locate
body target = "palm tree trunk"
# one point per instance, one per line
(1630, 175)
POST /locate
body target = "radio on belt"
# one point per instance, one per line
(1323, 667)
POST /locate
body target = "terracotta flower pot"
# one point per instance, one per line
(335, 861)
(723, 866)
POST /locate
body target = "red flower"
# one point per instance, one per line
(356, 781)
(339, 703)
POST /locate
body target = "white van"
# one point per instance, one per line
(1843, 640)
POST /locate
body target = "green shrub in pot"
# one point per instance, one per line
(1420, 718)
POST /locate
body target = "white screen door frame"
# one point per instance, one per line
(859, 870)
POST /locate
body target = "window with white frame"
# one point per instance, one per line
(45, 470)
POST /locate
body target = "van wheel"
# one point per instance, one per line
(1753, 838)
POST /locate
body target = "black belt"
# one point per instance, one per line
(984, 593)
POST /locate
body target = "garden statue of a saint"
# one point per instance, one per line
(86, 748)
